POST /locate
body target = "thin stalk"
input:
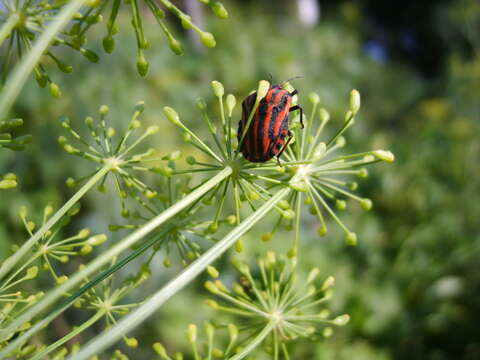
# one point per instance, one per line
(21, 72)
(8, 26)
(100, 261)
(98, 315)
(256, 341)
(146, 310)
(10, 262)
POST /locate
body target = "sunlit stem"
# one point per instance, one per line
(100, 261)
(346, 124)
(146, 310)
(10, 262)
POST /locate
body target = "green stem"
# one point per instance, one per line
(100, 261)
(10, 262)
(70, 335)
(146, 310)
(21, 72)
(256, 341)
(8, 26)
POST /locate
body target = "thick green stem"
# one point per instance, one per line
(10, 262)
(98, 315)
(100, 261)
(256, 341)
(21, 72)
(143, 312)
(8, 26)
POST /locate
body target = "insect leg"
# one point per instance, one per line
(298, 107)
(290, 137)
(294, 92)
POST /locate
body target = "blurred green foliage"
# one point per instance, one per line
(412, 285)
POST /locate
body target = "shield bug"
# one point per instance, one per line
(268, 134)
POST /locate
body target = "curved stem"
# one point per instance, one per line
(10, 262)
(98, 315)
(21, 72)
(96, 264)
(8, 26)
(144, 311)
(256, 341)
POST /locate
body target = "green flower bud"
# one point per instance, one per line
(208, 39)
(60, 280)
(314, 98)
(108, 44)
(384, 155)
(211, 287)
(292, 253)
(313, 275)
(328, 283)
(213, 272)
(31, 273)
(341, 204)
(142, 65)
(288, 214)
(97, 239)
(230, 102)
(131, 342)
(6, 184)
(90, 55)
(239, 246)
(219, 10)
(351, 238)
(192, 333)
(341, 320)
(175, 46)
(172, 116)
(262, 90)
(324, 115)
(160, 350)
(267, 236)
(366, 204)
(55, 90)
(284, 204)
(86, 249)
(217, 88)
(322, 230)
(354, 101)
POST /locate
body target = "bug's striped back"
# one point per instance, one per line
(269, 127)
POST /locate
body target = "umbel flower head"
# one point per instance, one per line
(117, 156)
(182, 234)
(310, 165)
(273, 306)
(24, 21)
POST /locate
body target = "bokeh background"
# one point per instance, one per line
(412, 285)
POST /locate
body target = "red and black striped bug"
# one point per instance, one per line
(268, 134)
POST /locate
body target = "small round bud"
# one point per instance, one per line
(262, 90)
(160, 350)
(31, 273)
(322, 230)
(60, 280)
(231, 219)
(212, 272)
(384, 155)
(341, 320)
(292, 253)
(354, 101)
(6, 184)
(288, 214)
(86, 249)
(131, 342)
(239, 246)
(284, 204)
(55, 90)
(351, 238)
(324, 115)
(142, 65)
(217, 88)
(97, 239)
(267, 237)
(192, 333)
(90, 55)
(172, 115)
(219, 10)
(314, 98)
(104, 109)
(366, 204)
(175, 46)
(208, 39)
(341, 204)
(108, 44)
(230, 102)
